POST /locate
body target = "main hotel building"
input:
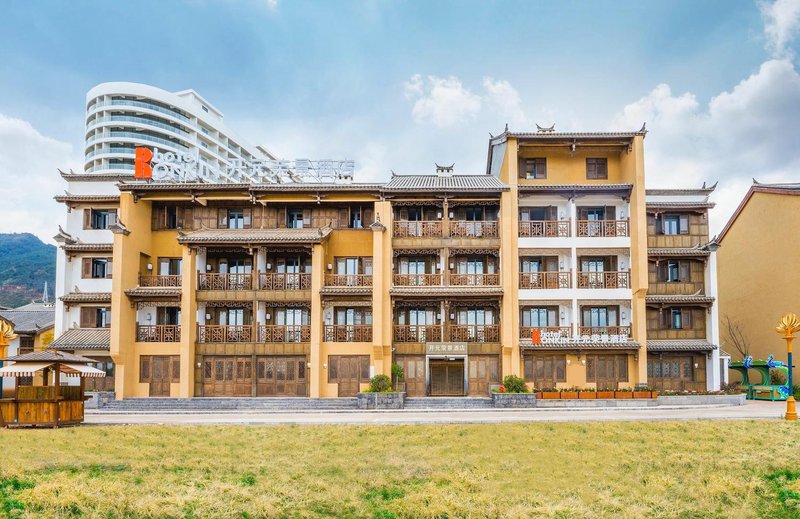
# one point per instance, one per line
(555, 264)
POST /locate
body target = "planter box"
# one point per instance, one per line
(550, 395)
(587, 395)
(394, 400)
(641, 394)
(623, 394)
(569, 395)
(653, 394)
(513, 400)
(605, 394)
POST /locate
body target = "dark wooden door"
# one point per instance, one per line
(607, 371)
(414, 373)
(281, 376)
(676, 372)
(349, 370)
(160, 379)
(447, 378)
(484, 370)
(219, 376)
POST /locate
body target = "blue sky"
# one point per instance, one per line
(401, 85)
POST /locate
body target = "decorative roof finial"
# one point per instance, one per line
(546, 129)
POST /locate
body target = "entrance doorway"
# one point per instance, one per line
(447, 377)
(348, 372)
(160, 380)
(484, 371)
(413, 373)
(281, 376)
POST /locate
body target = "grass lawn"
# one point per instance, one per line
(623, 469)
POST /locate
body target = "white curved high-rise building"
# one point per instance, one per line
(121, 116)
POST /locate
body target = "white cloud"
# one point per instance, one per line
(441, 101)
(781, 24)
(504, 100)
(29, 176)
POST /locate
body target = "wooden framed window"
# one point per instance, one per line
(534, 169)
(348, 368)
(672, 224)
(597, 168)
(144, 368)
(98, 218)
(96, 268)
(676, 318)
(95, 317)
(171, 368)
(673, 271)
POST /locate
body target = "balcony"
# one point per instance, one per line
(476, 229)
(418, 333)
(159, 281)
(348, 280)
(284, 281)
(604, 279)
(544, 229)
(545, 280)
(417, 229)
(348, 333)
(473, 280)
(475, 333)
(417, 280)
(604, 330)
(158, 333)
(526, 332)
(603, 228)
(284, 333)
(224, 333)
(207, 281)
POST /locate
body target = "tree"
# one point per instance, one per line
(736, 336)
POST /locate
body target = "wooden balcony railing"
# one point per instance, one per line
(604, 279)
(526, 332)
(547, 280)
(603, 228)
(477, 229)
(158, 333)
(159, 281)
(209, 333)
(417, 280)
(348, 333)
(418, 333)
(604, 330)
(475, 332)
(206, 281)
(284, 333)
(284, 281)
(544, 229)
(419, 229)
(348, 280)
(472, 280)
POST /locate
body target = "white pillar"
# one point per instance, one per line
(712, 324)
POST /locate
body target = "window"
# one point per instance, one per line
(597, 169)
(355, 218)
(677, 318)
(673, 271)
(535, 169)
(99, 218)
(95, 317)
(539, 316)
(96, 268)
(294, 218)
(168, 315)
(673, 224)
(235, 218)
(169, 266)
(171, 217)
(676, 321)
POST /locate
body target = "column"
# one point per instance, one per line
(381, 282)
(573, 265)
(317, 372)
(188, 323)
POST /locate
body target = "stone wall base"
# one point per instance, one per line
(381, 400)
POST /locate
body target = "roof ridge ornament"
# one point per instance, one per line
(542, 129)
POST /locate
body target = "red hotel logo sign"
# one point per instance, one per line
(142, 168)
(536, 336)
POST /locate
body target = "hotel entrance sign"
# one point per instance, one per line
(446, 348)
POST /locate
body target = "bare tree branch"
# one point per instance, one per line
(736, 336)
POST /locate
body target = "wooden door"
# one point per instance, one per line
(160, 379)
(414, 373)
(243, 377)
(484, 370)
(281, 376)
(348, 376)
(447, 378)
(677, 372)
(607, 371)
(219, 376)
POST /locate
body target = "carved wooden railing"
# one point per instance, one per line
(545, 280)
(544, 229)
(417, 280)
(471, 280)
(159, 281)
(603, 228)
(348, 280)
(474, 332)
(284, 333)
(526, 332)
(604, 330)
(418, 333)
(604, 279)
(284, 281)
(476, 229)
(208, 333)
(158, 333)
(419, 229)
(206, 281)
(348, 333)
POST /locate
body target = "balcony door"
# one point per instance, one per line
(419, 320)
(293, 319)
(539, 317)
(472, 323)
(292, 266)
(169, 315)
(169, 266)
(599, 318)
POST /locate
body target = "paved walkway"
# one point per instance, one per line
(752, 410)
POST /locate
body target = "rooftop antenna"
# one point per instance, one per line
(46, 295)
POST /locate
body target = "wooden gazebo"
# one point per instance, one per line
(49, 404)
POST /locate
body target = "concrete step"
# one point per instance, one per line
(448, 403)
(220, 404)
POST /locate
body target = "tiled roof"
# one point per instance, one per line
(574, 135)
(95, 177)
(697, 191)
(49, 355)
(678, 299)
(447, 291)
(30, 318)
(680, 345)
(438, 183)
(311, 186)
(88, 247)
(204, 186)
(67, 198)
(572, 346)
(680, 205)
(154, 292)
(678, 252)
(305, 235)
(84, 339)
(346, 290)
(536, 188)
(86, 297)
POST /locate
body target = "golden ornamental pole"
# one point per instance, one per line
(788, 325)
(6, 335)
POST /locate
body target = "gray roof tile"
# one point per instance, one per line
(84, 339)
(438, 183)
(306, 235)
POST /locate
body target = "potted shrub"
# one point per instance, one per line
(513, 384)
(642, 392)
(587, 393)
(380, 384)
(569, 394)
(606, 393)
(398, 375)
(550, 393)
(623, 393)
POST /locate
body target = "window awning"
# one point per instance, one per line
(28, 369)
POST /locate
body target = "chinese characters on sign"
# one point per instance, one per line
(539, 337)
(446, 348)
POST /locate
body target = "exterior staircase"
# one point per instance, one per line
(445, 403)
(222, 405)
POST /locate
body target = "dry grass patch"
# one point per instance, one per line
(623, 469)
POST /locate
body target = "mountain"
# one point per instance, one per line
(25, 264)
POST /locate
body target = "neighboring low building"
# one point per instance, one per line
(33, 325)
(759, 278)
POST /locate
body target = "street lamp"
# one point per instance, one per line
(788, 326)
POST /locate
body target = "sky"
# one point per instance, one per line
(401, 85)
